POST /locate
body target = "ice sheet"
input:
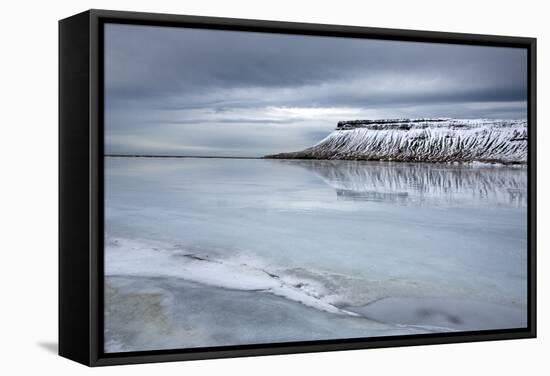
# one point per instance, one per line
(284, 230)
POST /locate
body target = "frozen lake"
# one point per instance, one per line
(212, 252)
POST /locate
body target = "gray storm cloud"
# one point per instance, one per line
(228, 93)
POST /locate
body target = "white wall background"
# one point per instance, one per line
(28, 166)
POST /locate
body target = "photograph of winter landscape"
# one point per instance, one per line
(267, 188)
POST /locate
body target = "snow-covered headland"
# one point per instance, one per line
(422, 140)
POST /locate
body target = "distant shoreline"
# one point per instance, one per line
(173, 156)
(485, 163)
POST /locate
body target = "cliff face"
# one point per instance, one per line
(422, 140)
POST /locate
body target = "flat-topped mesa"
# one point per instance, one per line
(422, 140)
(387, 123)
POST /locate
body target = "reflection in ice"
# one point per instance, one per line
(419, 183)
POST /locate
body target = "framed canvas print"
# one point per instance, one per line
(236, 187)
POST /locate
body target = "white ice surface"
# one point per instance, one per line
(283, 229)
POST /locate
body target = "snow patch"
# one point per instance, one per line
(124, 257)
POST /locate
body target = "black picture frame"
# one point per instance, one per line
(81, 186)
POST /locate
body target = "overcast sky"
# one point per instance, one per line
(175, 91)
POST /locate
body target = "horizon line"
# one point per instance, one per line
(173, 156)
